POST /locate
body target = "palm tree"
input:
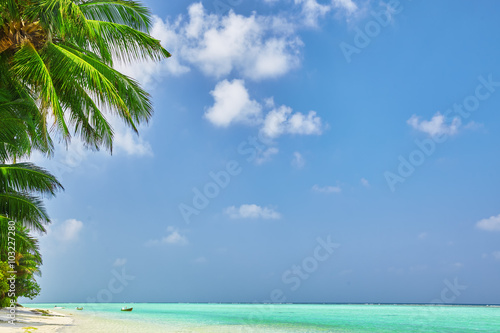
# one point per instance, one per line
(59, 56)
(22, 184)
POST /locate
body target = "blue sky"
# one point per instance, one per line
(354, 146)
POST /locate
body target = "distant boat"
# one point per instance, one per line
(79, 308)
(127, 309)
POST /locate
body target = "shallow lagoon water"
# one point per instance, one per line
(282, 318)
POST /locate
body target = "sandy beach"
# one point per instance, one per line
(29, 317)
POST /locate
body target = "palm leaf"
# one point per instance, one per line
(27, 177)
(125, 12)
(25, 209)
(125, 43)
(29, 67)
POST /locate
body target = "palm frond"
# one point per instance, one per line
(136, 99)
(25, 209)
(27, 177)
(125, 12)
(88, 121)
(22, 129)
(125, 43)
(28, 66)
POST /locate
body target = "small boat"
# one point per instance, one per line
(79, 308)
(127, 309)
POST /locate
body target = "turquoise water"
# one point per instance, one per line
(297, 317)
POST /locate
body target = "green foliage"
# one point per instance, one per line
(26, 286)
(58, 54)
(4, 268)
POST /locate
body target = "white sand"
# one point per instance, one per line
(26, 317)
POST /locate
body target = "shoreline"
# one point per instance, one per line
(43, 322)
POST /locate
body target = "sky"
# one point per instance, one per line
(300, 151)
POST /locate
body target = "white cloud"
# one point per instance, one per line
(298, 161)
(347, 5)
(472, 125)
(281, 120)
(306, 125)
(255, 46)
(274, 124)
(489, 224)
(131, 144)
(126, 141)
(232, 104)
(365, 182)
(312, 11)
(251, 211)
(173, 237)
(66, 231)
(326, 189)
(265, 155)
(436, 126)
(120, 262)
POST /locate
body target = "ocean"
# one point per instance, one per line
(282, 318)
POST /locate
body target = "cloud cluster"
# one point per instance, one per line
(283, 120)
(232, 104)
(255, 47)
(252, 212)
(436, 126)
(348, 6)
(311, 11)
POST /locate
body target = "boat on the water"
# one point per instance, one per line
(127, 309)
(79, 308)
